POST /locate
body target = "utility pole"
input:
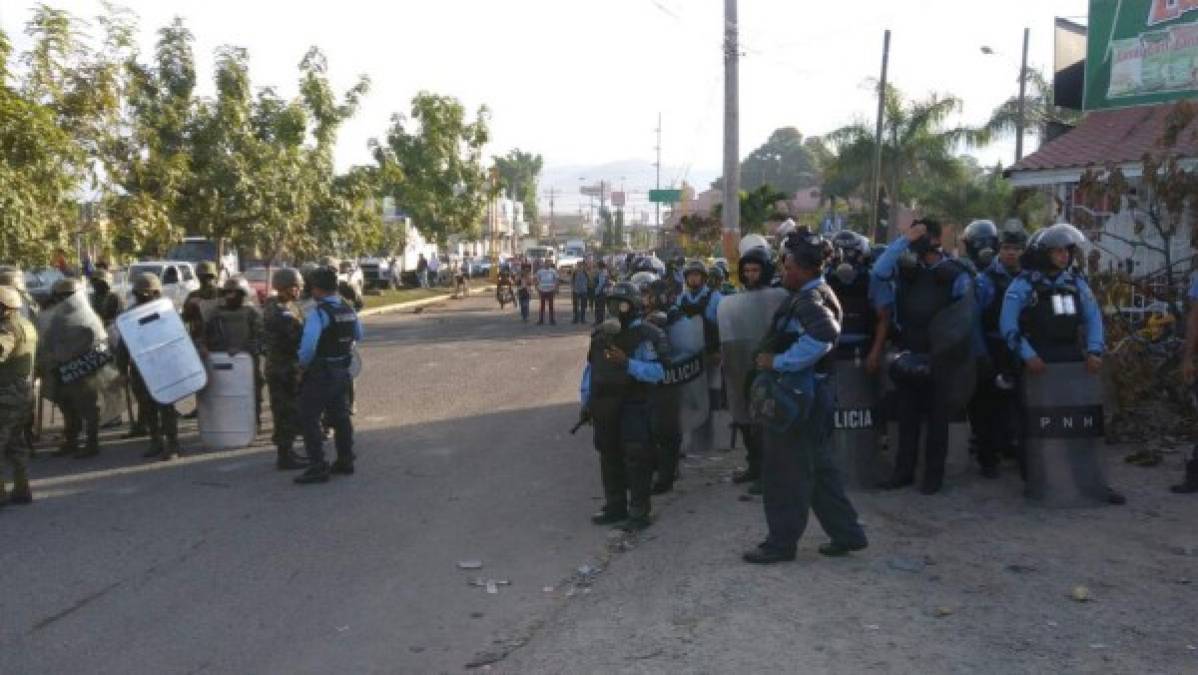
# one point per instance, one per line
(731, 214)
(879, 232)
(661, 235)
(552, 224)
(1019, 121)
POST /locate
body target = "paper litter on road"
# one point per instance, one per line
(470, 564)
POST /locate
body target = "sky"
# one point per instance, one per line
(582, 83)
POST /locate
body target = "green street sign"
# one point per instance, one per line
(665, 196)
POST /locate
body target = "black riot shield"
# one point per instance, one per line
(857, 422)
(1063, 426)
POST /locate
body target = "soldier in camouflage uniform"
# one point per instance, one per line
(235, 327)
(283, 324)
(199, 303)
(161, 420)
(64, 341)
(13, 278)
(18, 345)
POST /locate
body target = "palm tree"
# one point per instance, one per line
(915, 145)
(1039, 111)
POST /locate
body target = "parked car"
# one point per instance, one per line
(379, 272)
(40, 281)
(178, 279)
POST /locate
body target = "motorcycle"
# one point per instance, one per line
(503, 293)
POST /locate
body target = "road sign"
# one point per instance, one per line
(599, 190)
(665, 196)
(617, 199)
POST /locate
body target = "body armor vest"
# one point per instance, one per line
(991, 314)
(859, 317)
(711, 330)
(607, 378)
(337, 338)
(922, 293)
(1053, 322)
(284, 329)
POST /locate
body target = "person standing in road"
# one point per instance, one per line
(799, 473)
(422, 271)
(74, 339)
(580, 285)
(331, 329)
(622, 363)
(524, 286)
(236, 327)
(198, 305)
(434, 270)
(283, 323)
(162, 421)
(602, 284)
(18, 346)
(547, 289)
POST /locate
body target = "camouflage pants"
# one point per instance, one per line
(283, 387)
(16, 409)
(80, 405)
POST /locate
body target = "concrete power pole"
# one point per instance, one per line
(731, 132)
(1019, 121)
(879, 232)
(661, 235)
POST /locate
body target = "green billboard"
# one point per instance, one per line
(1141, 52)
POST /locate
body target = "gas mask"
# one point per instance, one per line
(846, 273)
(621, 310)
(985, 257)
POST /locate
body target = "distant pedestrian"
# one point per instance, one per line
(434, 268)
(524, 286)
(602, 286)
(547, 288)
(422, 271)
(580, 286)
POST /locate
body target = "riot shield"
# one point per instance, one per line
(162, 350)
(1063, 424)
(857, 422)
(744, 319)
(227, 417)
(954, 368)
(686, 339)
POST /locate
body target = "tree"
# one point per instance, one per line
(38, 174)
(756, 209)
(783, 161)
(916, 144)
(1040, 113)
(518, 175)
(432, 161)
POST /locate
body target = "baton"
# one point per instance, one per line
(581, 423)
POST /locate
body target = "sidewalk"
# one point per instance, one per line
(972, 580)
(423, 302)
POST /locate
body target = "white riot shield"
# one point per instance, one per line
(227, 417)
(162, 350)
(744, 319)
(687, 341)
(1063, 421)
(857, 422)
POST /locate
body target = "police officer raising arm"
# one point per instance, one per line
(331, 329)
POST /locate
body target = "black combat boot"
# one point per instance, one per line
(69, 448)
(155, 449)
(342, 467)
(172, 450)
(316, 473)
(608, 516)
(1190, 484)
(289, 461)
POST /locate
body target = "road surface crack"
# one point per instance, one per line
(83, 602)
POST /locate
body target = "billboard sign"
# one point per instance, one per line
(1141, 52)
(617, 199)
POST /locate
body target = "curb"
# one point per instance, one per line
(413, 304)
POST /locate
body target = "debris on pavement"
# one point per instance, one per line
(470, 564)
(1080, 594)
(904, 564)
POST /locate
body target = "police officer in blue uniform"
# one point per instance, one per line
(1049, 307)
(697, 299)
(926, 280)
(664, 397)
(326, 349)
(863, 299)
(1189, 485)
(994, 412)
(798, 472)
(622, 363)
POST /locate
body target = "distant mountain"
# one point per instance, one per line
(638, 177)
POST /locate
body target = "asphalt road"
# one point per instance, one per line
(219, 563)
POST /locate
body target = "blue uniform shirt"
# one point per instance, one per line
(986, 291)
(1020, 293)
(694, 298)
(886, 270)
(1193, 292)
(314, 325)
(643, 366)
(806, 351)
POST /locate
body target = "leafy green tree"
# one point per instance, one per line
(432, 160)
(783, 162)
(757, 207)
(1039, 111)
(518, 174)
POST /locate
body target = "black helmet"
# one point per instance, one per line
(1012, 233)
(625, 292)
(807, 248)
(695, 266)
(851, 247)
(1061, 235)
(716, 272)
(760, 256)
(981, 242)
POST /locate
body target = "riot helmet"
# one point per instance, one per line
(981, 242)
(64, 288)
(286, 277)
(624, 302)
(1012, 233)
(236, 284)
(649, 263)
(146, 286)
(851, 251)
(206, 271)
(716, 277)
(642, 280)
(694, 267)
(1060, 236)
(759, 256)
(750, 242)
